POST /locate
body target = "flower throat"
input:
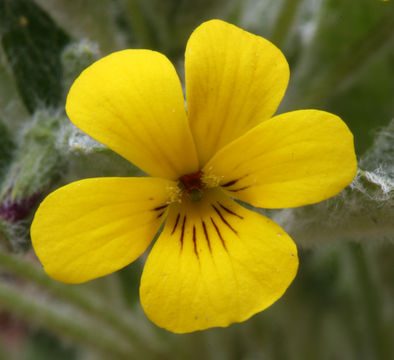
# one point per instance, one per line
(192, 185)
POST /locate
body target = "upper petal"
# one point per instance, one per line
(214, 264)
(297, 158)
(93, 227)
(132, 102)
(234, 80)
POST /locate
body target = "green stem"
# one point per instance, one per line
(125, 326)
(3, 351)
(349, 316)
(371, 303)
(235, 14)
(139, 23)
(314, 236)
(351, 62)
(5, 236)
(362, 212)
(284, 21)
(49, 316)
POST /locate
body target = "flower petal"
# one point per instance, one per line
(214, 264)
(93, 227)
(132, 102)
(234, 80)
(294, 159)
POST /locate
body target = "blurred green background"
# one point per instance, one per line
(341, 56)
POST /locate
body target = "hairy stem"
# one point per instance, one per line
(140, 24)
(371, 303)
(124, 325)
(62, 322)
(284, 21)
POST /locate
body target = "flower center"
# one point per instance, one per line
(192, 185)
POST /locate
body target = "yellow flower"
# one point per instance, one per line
(215, 262)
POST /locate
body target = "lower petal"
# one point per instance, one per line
(93, 227)
(214, 264)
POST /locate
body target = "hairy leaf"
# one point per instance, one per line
(33, 43)
(6, 148)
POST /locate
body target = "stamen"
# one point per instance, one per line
(174, 194)
(211, 180)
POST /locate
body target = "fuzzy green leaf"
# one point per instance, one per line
(6, 149)
(37, 162)
(33, 43)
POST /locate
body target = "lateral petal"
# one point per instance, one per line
(132, 102)
(234, 80)
(294, 159)
(214, 264)
(94, 227)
